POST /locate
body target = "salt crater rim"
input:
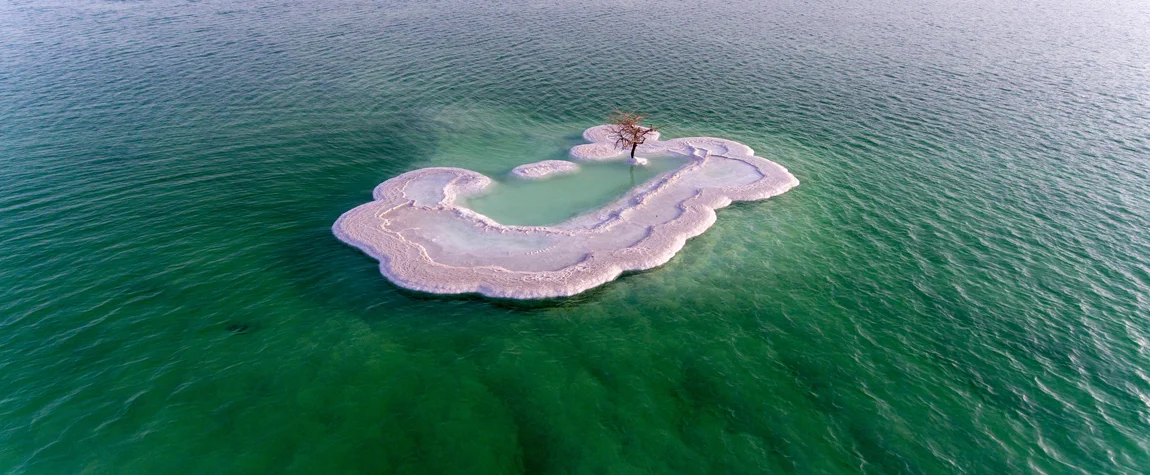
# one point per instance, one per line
(424, 240)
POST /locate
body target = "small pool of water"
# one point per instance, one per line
(545, 202)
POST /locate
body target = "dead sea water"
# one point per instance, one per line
(961, 283)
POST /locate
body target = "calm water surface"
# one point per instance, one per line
(511, 200)
(960, 284)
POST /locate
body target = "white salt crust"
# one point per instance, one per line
(544, 170)
(425, 241)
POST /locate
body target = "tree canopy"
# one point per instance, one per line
(627, 132)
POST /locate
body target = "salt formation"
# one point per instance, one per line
(545, 169)
(425, 241)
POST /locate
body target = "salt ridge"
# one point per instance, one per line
(425, 241)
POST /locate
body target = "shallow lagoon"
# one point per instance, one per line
(516, 201)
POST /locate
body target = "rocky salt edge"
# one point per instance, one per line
(426, 241)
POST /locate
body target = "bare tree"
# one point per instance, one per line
(627, 132)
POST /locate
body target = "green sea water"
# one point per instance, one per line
(961, 283)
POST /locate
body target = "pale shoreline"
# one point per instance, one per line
(425, 241)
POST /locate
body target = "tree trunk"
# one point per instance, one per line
(633, 147)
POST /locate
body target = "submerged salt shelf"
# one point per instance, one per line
(426, 240)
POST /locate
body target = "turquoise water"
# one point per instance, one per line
(960, 284)
(541, 202)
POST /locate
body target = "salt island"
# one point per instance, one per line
(426, 239)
